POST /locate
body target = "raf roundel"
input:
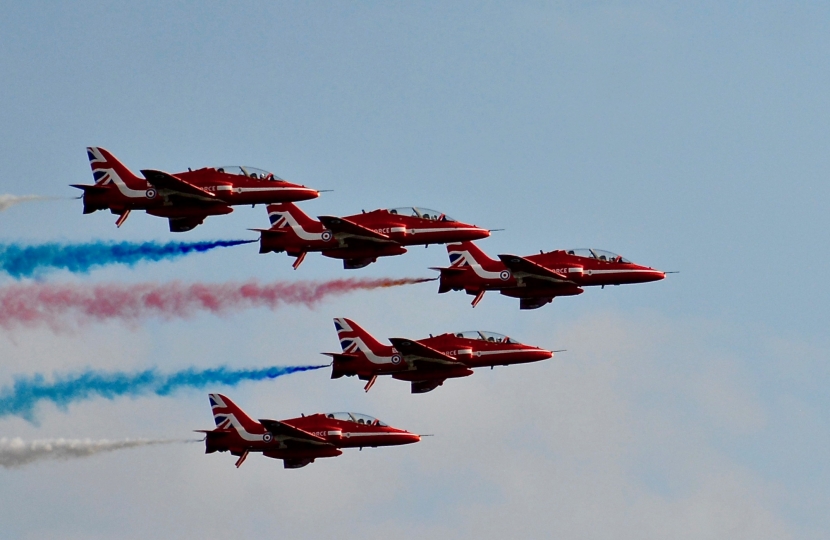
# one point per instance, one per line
(267, 437)
(396, 359)
(326, 236)
(150, 193)
(504, 275)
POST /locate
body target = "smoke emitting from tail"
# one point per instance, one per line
(65, 305)
(20, 260)
(21, 398)
(7, 201)
(17, 452)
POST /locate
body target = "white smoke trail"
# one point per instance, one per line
(16, 452)
(7, 201)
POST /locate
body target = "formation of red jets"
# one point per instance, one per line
(187, 198)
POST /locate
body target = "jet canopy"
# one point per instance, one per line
(357, 418)
(486, 336)
(598, 254)
(424, 213)
(250, 172)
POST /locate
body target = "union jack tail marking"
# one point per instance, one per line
(466, 254)
(286, 215)
(106, 169)
(228, 415)
(354, 339)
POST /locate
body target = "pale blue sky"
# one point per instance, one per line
(686, 137)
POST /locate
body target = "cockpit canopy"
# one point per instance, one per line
(250, 172)
(492, 337)
(357, 418)
(598, 254)
(424, 213)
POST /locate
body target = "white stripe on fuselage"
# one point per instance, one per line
(255, 189)
(231, 419)
(371, 434)
(296, 227)
(452, 229)
(359, 345)
(477, 268)
(629, 271)
(125, 190)
(489, 353)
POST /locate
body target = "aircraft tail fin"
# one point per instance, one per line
(228, 415)
(284, 215)
(354, 339)
(466, 254)
(106, 168)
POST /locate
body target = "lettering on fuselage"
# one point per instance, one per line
(218, 188)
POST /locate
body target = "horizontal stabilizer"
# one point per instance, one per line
(448, 270)
(215, 432)
(163, 180)
(269, 232)
(341, 356)
(94, 189)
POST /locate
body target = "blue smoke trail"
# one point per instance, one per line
(21, 398)
(20, 260)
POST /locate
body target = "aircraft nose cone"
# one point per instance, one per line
(646, 274)
(544, 354)
(471, 232)
(657, 275)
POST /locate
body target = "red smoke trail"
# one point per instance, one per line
(58, 305)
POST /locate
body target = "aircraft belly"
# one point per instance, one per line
(299, 453)
(358, 440)
(500, 358)
(423, 374)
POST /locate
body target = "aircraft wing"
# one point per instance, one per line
(526, 267)
(413, 351)
(344, 226)
(163, 180)
(290, 433)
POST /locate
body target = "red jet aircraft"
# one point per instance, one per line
(297, 441)
(536, 279)
(186, 198)
(428, 362)
(360, 239)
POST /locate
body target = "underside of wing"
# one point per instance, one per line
(340, 226)
(287, 433)
(414, 353)
(522, 267)
(422, 387)
(163, 180)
